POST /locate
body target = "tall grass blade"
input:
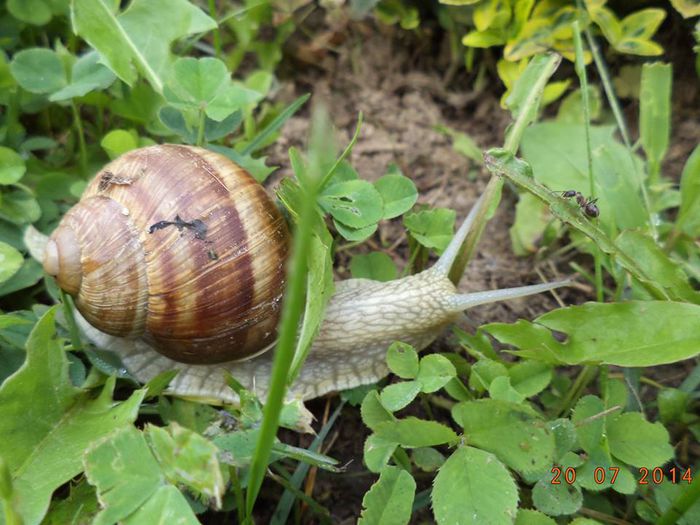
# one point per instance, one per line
(291, 314)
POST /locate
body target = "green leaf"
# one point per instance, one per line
(643, 23)
(10, 261)
(377, 266)
(431, 228)
(571, 108)
(354, 203)
(354, 234)
(240, 446)
(638, 442)
(639, 46)
(377, 452)
(556, 500)
(412, 432)
(459, 2)
(483, 372)
(487, 38)
(160, 382)
(513, 432)
(38, 70)
(532, 517)
(131, 486)
(230, 98)
(36, 12)
(564, 433)
(140, 104)
(319, 290)
(30, 273)
(500, 389)
(398, 395)
(194, 82)
(590, 428)
(606, 20)
(138, 40)
(655, 112)
(672, 404)
(12, 166)
(657, 265)
(402, 360)
(559, 159)
(214, 130)
(687, 8)
(689, 213)
(186, 458)
(398, 192)
(434, 372)
(633, 333)
(80, 507)
(668, 498)
(503, 163)
(57, 430)
(389, 501)
(262, 137)
(529, 378)
(373, 412)
(531, 219)
(119, 141)
(87, 75)
(175, 121)
(519, 98)
(463, 143)
(473, 488)
(427, 458)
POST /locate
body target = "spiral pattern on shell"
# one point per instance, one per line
(177, 245)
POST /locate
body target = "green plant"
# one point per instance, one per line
(601, 442)
(83, 82)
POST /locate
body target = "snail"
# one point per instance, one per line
(175, 257)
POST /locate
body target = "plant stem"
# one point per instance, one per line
(238, 494)
(529, 108)
(284, 354)
(585, 376)
(200, 128)
(620, 119)
(492, 193)
(681, 504)
(76, 343)
(583, 79)
(217, 33)
(81, 137)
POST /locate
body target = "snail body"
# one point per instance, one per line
(190, 202)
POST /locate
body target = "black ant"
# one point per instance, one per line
(588, 206)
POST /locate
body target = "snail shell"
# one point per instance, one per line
(198, 273)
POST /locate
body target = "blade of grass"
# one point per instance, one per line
(216, 33)
(524, 103)
(274, 125)
(619, 118)
(320, 511)
(293, 306)
(681, 504)
(284, 506)
(655, 115)
(580, 67)
(345, 152)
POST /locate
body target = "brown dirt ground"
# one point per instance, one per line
(402, 95)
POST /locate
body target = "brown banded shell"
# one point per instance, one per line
(177, 245)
